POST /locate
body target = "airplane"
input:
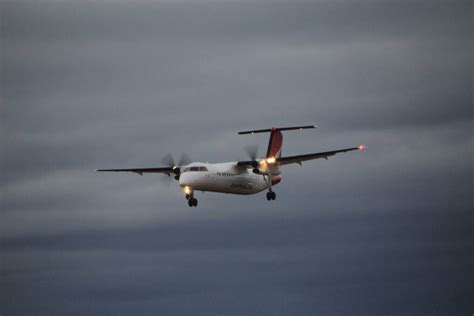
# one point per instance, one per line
(238, 177)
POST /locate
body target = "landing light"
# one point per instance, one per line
(187, 190)
(271, 160)
(362, 147)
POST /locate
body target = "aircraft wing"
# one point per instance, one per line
(299, 158)
(140, 171)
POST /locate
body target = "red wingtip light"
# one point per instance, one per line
(362, 147)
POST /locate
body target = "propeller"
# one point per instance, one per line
(252, 151)
(184, 159)
(169, 161)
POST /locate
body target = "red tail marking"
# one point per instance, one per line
(275, 144)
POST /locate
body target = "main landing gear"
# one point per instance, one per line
(271, 195)
(191, 200)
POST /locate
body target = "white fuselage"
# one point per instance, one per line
(224, 178)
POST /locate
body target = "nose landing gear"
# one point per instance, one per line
(189, 194)
(192, 202)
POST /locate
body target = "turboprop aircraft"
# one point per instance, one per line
(238, 177)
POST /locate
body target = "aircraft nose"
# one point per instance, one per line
(185, 180)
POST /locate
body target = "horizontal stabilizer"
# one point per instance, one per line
(268, 130)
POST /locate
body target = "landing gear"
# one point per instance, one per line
(189, 194)
(192, 202)
(271, 195)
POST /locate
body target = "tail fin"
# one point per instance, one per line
(275, 144)
(276, 138)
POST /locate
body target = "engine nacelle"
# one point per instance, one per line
(258, 171)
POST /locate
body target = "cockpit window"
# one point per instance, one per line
(195, 169)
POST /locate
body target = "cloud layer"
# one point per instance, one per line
(101, 84)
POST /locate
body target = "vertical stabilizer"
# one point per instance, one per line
(275, 144)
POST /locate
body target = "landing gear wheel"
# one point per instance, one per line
(192, 202)
(271, 195)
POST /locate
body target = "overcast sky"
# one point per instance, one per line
(89, 84)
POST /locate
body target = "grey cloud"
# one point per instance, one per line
(295, 267)
(86, 85)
